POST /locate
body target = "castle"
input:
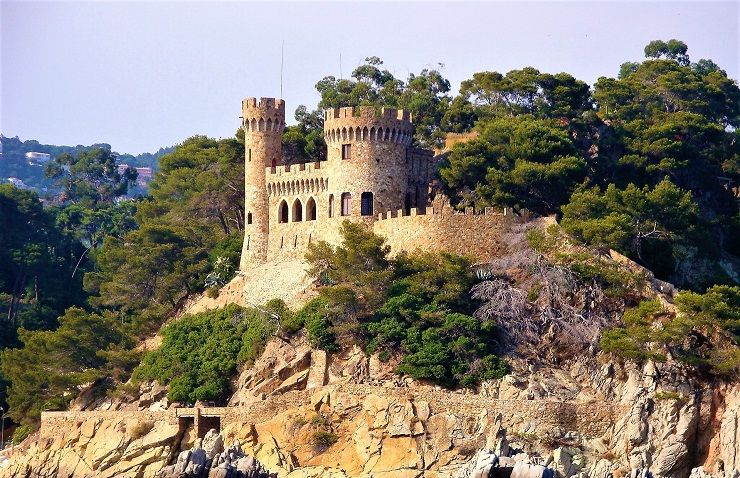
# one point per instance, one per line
(372, 174)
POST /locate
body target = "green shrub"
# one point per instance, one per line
(669, 396)
(21, 433)
(322, 440)
(417, 305)
(639, 338)
(319, 421)
(705, 333)
(200, 353)
(315, 315)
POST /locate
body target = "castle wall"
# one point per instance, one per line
(477, 235)
(369, 154)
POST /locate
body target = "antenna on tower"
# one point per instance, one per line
(282, 47)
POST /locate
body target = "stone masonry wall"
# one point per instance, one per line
(263, 123)
(590, 419)
(478, 235)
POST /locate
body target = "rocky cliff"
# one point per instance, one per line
(303, 413)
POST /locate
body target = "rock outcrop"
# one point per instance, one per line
(303, 413)
(208, 458)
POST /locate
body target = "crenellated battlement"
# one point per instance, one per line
(367, 123)
(367, 112)
(263, 115)
(264, 104)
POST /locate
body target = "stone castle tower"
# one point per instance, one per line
(263, 122)
(372, 173)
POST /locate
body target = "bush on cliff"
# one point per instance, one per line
(200, 353)
(416, 305)
(705, 332)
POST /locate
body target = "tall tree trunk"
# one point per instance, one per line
(16, 296)
(224, 225)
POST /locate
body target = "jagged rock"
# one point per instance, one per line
(227, 463)
(671, 457)
(602, 469)
(479, 466)
(526, 470)
(564, 463)
(213, 444)
(385, 432)
(196, 462)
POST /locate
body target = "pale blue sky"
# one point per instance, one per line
(140, 75)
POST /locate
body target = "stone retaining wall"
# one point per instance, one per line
(589, 419)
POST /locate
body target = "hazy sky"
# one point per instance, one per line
(140, 75)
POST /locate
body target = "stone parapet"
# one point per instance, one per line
(367, 123)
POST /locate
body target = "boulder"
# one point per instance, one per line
(213, 444)
(525, 470)
(197, 462)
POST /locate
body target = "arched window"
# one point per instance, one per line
(331, 205)
(297, 211)
(310, 209)
(249, 218)
(283, 211)
(346, 204)
(366, 204)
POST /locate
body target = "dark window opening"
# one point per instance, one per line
(283, 212)
(297, 211)
(346, 204)
(250, 155)
(366, 204)
(331, 205)
(311, 210)
(346, 151)
(206, 423)
(249, 218)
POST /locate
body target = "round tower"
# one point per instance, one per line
(366, 156)
(263, 121)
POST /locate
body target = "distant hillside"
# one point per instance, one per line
(15, 164)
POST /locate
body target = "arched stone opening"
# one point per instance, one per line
(310, 209)
(283, 212)
(297, 211)
(331, 205)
